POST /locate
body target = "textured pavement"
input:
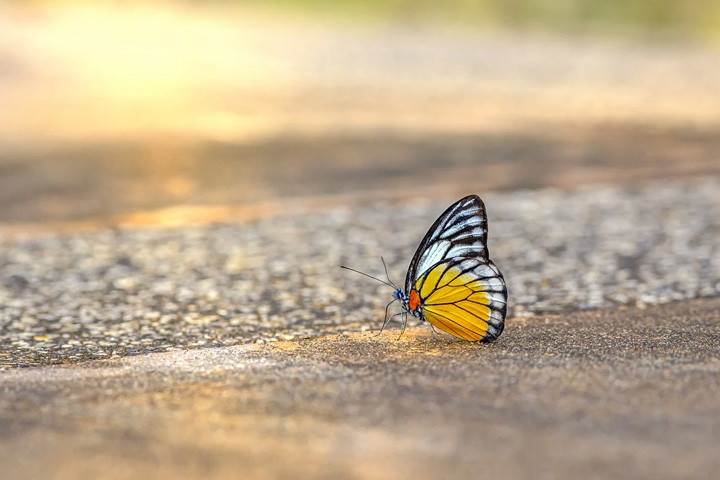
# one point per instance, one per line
(82, 296)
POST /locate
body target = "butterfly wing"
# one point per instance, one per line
(465, 297)
(461, 290)
(460, 231)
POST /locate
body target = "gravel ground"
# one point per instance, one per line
(69, 298)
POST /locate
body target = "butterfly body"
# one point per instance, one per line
(412, 303)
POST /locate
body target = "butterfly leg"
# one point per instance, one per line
(435, 334)
(387, 320)
(404, 325)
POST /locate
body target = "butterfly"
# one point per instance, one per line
(451, 282)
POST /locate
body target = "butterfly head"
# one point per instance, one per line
(411, 302)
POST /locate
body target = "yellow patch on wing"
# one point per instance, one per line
(445, 325)
(448, 295)
(480, 311)
(463, 279)
(456, 321)
(456, 303)
(440, 276)
(485, 285)
(427, 283)
(480, 297)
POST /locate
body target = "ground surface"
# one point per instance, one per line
(613, 393)
(202, 204)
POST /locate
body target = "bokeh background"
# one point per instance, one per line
(177, 112)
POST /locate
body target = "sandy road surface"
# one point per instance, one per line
(613, 393)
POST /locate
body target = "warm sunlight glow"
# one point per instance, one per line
(228, 72)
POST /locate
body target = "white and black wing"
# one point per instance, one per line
(451, 279)
(461, 231)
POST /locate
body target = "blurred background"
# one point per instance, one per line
(181, 112)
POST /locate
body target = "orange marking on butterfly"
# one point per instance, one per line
(414, 300)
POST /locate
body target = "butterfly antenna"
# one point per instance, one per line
(370, 276)
(386, 274)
